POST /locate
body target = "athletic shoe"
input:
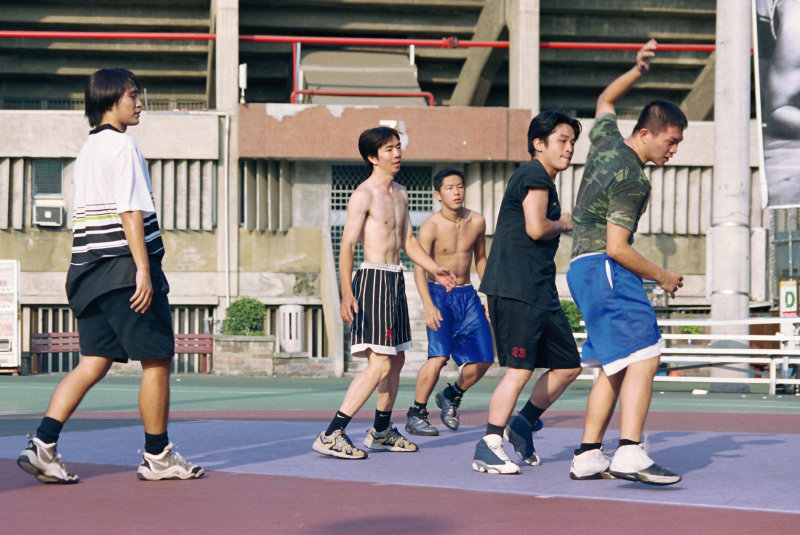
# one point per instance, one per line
(590, 464)
(520, 434)
(44, 462)
(337, 444)
(418, 424)
(388, 440)
(167, 465)
(631, 462)
(490, 457)
(449, 409)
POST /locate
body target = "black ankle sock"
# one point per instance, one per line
(339, 422)
(452, 391)
(531, 412)
(49, 430)
(492, 429)
(588, 446)
(155, 444)
(382, 420)
(626, 442)
(419, 407)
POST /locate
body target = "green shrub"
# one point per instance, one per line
(691, 329)
(245, 316)
(574, 316)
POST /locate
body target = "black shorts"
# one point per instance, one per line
(109, 328)
(382, 321)
(528, 337)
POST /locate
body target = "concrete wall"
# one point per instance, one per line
(300, 131)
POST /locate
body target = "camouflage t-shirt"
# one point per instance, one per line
(614, 188)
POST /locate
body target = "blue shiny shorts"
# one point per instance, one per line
(464, 332)
(620, 321)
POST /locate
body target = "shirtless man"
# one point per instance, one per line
(456, 321)
(375, 304)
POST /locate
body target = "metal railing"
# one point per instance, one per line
(780, 362)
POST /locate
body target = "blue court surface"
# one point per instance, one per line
(739, 456)
(719, 469)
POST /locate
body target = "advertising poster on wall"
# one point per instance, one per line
(777, 53)
(9, 314)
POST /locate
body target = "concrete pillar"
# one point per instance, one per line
(523, 54)
(227, 100)
(730, 221)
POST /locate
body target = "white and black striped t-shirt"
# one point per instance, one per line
(111, 177)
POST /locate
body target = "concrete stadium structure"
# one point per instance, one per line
(250, 194)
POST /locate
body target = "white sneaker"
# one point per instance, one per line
(167, 465)
(631, 462)
(490, 457)
(44, 462)
(591, 464)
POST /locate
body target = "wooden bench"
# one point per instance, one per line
(54, 343)
(68, 342)
(200, 344)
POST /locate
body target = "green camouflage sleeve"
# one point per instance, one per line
(604, 126)
(627, 201)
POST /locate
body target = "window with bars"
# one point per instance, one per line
(418, 180)
(47, 177)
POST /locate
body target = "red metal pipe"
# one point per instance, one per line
(426, 94)
(293, 97)
(444, 42)
(625, 46)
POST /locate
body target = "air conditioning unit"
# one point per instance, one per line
(48, 212)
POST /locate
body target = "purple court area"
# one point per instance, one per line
(735, 480)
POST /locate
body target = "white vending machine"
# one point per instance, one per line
(10, 354)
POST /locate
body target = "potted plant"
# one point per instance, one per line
(243, 348)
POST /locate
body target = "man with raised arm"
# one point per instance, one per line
(605, 279)
(375, 302)
(456, 321)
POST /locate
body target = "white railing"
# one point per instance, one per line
(779, 361)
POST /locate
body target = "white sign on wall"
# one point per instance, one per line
(788, 299)
(9, 314)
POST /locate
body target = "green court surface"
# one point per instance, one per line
(30, 395)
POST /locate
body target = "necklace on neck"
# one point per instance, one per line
(457, 221)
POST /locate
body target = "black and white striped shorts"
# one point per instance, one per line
(382, 320)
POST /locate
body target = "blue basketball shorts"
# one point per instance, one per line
(620, 321)
(464, 332)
